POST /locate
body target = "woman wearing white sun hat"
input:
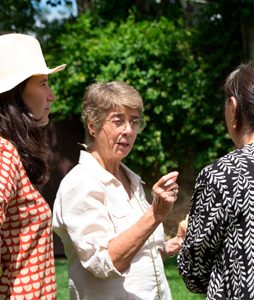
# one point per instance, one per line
(26, 249)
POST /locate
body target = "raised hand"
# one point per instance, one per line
(165, 192)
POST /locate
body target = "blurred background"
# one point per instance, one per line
(175, 53)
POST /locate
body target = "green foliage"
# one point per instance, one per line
(178, 68)
(157, 57)
(16, 16)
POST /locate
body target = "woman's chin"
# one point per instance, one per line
(42, 123)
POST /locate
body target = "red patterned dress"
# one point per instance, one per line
(26, 248)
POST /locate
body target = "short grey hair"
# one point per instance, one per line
(102, 97)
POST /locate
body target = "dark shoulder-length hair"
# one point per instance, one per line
(18, 126)
(240, 84)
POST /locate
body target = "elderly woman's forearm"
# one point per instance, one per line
(124, 247)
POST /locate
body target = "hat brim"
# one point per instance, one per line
(54, 70)
(15, 80)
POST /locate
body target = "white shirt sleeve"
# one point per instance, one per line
(84, 225)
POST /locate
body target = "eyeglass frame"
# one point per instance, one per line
(140, 127)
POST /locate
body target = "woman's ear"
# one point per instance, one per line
(91, 128)
(232, 103)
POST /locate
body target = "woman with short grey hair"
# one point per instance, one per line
(113, 237)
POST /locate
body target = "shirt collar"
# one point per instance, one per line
(89, 161)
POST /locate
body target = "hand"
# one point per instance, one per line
(182, 228)
(165, 192)
(173, 246)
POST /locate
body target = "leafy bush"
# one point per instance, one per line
(157, 57)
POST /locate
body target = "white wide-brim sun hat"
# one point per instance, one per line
(20, 58)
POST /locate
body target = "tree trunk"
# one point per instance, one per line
(83, 5)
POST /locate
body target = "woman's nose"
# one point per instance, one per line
(51, 96)
(128, 127)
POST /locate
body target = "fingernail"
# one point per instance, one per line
(170, 181)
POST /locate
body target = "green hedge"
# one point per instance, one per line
(157, 57)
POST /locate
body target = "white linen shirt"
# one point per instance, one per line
(91, 208)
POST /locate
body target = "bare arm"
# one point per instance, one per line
(124, 247)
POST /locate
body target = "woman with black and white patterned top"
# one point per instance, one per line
(217, 257)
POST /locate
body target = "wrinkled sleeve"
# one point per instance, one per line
(81, 208)
(206, 229)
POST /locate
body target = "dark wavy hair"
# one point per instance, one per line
(18, 126)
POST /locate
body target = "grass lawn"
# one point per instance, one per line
(179, 292)
(178, 289)
(62, 279)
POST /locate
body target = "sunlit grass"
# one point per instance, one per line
(62, 279)
(178, 289)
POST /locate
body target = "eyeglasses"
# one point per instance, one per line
(137, 124)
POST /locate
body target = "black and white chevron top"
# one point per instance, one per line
(217, 257)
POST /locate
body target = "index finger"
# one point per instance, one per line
(168, 179)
